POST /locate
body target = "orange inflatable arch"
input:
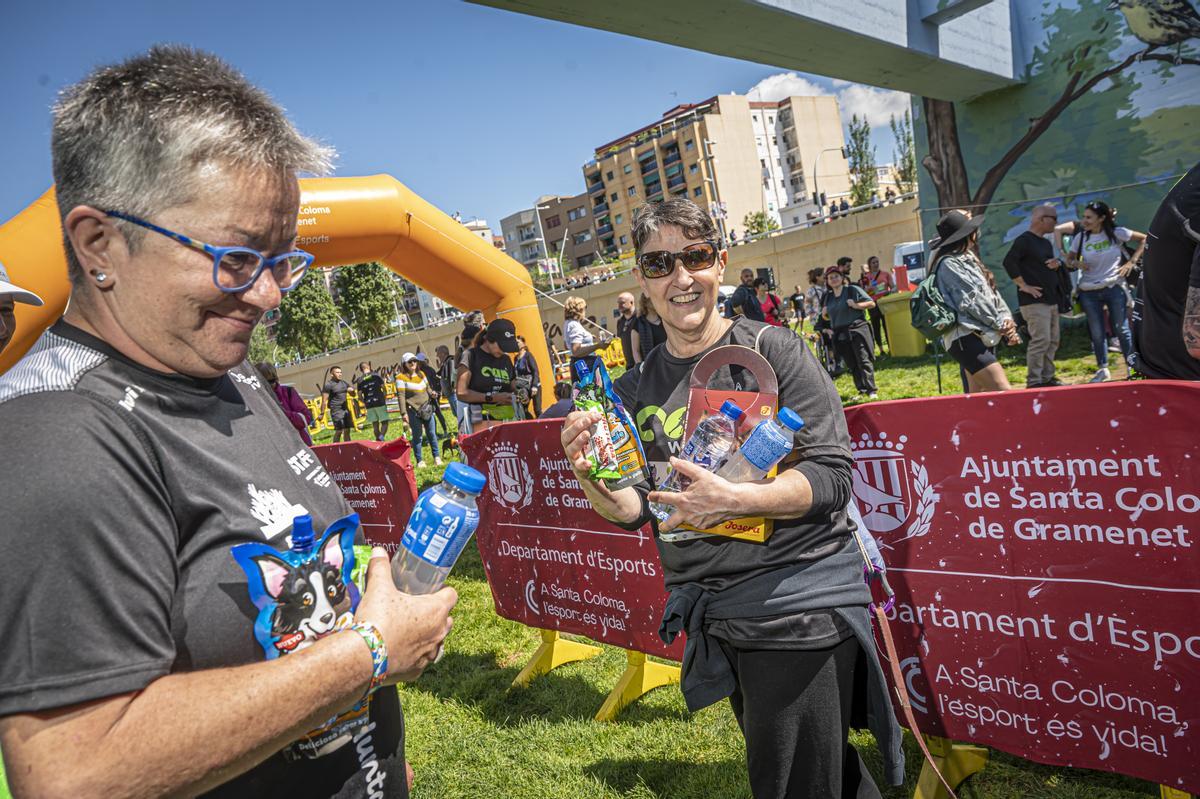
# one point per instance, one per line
(342, 221)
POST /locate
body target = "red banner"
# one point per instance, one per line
(1044, 551)
(551, 561)
(377, 481)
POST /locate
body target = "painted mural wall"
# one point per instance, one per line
(1110, 110)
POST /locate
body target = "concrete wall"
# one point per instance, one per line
(873, 232)
(861, 235)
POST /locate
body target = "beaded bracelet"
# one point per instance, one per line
(379, 655)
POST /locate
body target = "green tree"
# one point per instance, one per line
(367, 298)
(261, 346)
(905, 154)
(864, 181)
(308, 320)
(758, 222)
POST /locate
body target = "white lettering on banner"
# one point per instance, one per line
(533, 552)
(987, 469)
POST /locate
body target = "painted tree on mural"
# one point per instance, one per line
(1084, 66)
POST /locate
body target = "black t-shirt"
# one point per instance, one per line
(370, 391)
(127, 494)
(797, 302)
(1026, 259)
(650, 335)
(746, 299)
(490, 374)
(336, 391)
(624, 329)
(655, 392)
(1170, 266)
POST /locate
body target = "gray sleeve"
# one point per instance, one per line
(90, 549)
(968, 293)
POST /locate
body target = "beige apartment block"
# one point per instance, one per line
(728, 154)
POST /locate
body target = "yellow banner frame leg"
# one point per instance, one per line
(553, 652)
(1167, 792)
(641, 676)
(956, 762)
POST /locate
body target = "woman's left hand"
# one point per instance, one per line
(1124, 269)
(708, 501)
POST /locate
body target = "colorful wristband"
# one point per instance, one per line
(379, 656)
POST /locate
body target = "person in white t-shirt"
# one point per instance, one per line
(577, 338)
(1096, 249)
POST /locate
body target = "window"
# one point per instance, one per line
(775, 140)
(508, 236)
(609, 176)
(693, 169)
(553, 221)
(624, 240)
(778, 162)
(795, 220)
(633, 191)
(628, 168)
(619, 218)
(614, 196)
(689, 144)
(585, 236)
(770, 120)
(762, 162)
(754, 117)
(576, 213)
(696, 192)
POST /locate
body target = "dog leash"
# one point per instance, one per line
(880, 609)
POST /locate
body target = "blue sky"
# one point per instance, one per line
(478, 110)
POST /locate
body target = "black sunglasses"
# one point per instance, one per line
(695, 258)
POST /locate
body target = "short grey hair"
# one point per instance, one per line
(130, 137)
(679, 212)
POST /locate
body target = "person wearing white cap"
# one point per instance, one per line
(417, 405)
(10, 294)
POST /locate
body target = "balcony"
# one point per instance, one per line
(604, 230)
(654, 192)
(678, 180)
(672, 157)
(649, 166)
(595, 187)
(599, 208)
(676, 169)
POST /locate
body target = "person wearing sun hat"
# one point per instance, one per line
(970, 290)
(10, 295)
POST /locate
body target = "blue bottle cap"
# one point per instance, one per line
(302, 534)
(790, 419)
(731, 410)
(460, 475)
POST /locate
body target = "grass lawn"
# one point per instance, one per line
(471, 736)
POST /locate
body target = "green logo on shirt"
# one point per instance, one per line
(672, 426)
(494, 371)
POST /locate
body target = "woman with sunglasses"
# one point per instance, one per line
(788, 667)
(1096, 248)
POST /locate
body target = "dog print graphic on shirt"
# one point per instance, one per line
(301, 597)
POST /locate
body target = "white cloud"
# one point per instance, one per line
(774, 88)
(877, 105)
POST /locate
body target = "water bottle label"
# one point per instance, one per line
(438, 530)
(766, 446)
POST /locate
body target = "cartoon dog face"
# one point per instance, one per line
(301, 596)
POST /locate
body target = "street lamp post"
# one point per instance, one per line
(817, 166)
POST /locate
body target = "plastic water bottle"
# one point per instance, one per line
(302, 534)
(441, 524)
(709, 445)
(767, 445)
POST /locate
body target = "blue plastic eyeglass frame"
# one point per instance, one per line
(218, 253)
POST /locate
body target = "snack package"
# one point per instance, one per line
(589, 396)
(630, 458)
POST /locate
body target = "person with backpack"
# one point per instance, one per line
(968, 290)
(844, 306)
(1097, 248)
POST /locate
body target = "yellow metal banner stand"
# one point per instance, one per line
(553, 652)
(1173, 793)
(956, 762)
(641, 677)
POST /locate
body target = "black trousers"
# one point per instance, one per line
(794, 709)
(877, 327)
(857, 348)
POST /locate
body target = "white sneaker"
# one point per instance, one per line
(1101, 375)
(437, 461)
(1114, 345)
(872, 396)
(420, 464)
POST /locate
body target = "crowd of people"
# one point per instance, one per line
(143, 660)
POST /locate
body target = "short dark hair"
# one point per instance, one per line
(679, 212)
(845, 259)
(562, 390)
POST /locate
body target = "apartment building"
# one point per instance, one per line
(728, 154)
(555, 226)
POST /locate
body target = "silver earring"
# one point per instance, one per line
(101, 277)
